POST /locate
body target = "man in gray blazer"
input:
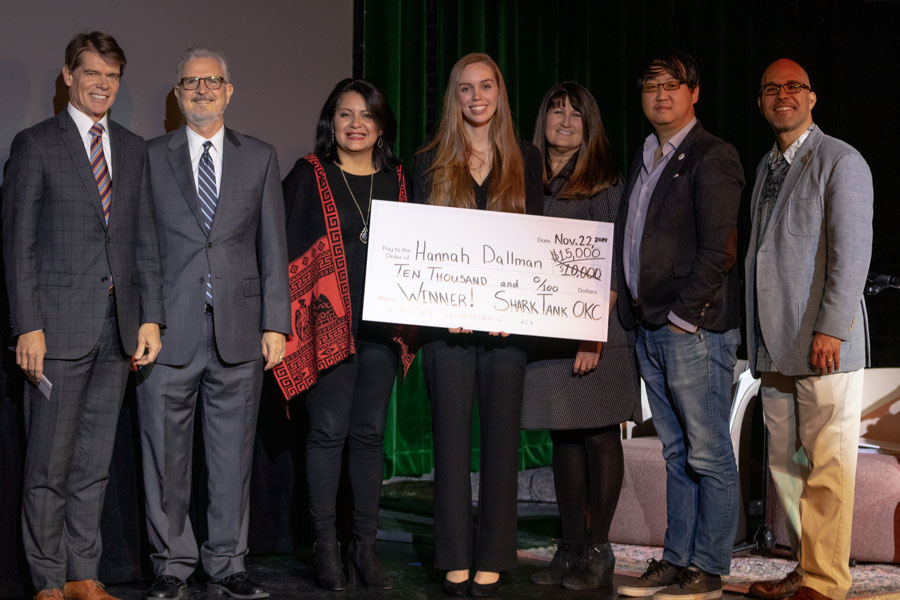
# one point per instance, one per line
(85, 295)
(220, 217)
(807, 332)
(676, 243)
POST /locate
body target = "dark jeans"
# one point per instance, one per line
(455, 372)
(688, 378)
(349, 405)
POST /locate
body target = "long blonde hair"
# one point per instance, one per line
(450, 179)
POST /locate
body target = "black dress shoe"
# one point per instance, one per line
(167, 587)
(239, 586)
(484, 590)
(459, 588)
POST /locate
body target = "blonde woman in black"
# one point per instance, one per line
(475, 161)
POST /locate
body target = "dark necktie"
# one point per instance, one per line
(101, 172)
(206, 189)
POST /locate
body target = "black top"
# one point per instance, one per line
(302, 197)
(534, 180)
(534, 205)
(384, 187)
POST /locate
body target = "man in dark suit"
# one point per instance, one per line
(85, 291)
(676, 243)
(220, 217)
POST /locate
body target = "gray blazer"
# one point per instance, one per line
(809, 272)
(246, 251)
(58, 252)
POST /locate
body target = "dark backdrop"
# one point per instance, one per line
(849, 47)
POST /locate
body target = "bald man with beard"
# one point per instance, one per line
(807, 331)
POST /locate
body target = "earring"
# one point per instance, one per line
(332, 136)
(380, 142)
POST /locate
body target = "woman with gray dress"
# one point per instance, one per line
(581, 391)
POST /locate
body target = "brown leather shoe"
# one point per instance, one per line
(86, 589)
(807, 593)
(775, 589)
(50, 594)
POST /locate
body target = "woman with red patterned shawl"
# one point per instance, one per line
(341, 367)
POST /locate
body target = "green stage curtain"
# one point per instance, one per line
(407, 48)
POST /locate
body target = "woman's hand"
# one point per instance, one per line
(459, 330)
(500, 333)
(587, 358)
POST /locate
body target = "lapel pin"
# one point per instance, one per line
(681, 156)
(675, 175)
(805, 158)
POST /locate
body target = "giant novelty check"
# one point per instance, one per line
(488, 271)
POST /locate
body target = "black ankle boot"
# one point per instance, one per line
(329, 570)
(595, 569)
(564, 562)
(364, 567)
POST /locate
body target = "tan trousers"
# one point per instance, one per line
(813, 425)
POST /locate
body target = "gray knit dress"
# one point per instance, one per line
(554, 397)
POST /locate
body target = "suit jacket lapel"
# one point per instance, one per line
(75, 145)
(798, 167)
(118, 153)
(230, 161)
(633, 173)
(761, 172)
(671, 169)
(180, 162)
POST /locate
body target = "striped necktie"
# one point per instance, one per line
(206, 190)
(101, 172)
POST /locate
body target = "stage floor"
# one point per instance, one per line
(409, 565)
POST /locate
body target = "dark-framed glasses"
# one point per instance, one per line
(648, 87)
(213, 82)
(791, 87)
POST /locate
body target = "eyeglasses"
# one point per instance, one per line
(791, 87)
(648, 87)
(212, 82)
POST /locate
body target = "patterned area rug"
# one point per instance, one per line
(870, 581)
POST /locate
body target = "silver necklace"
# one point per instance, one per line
(364, 234)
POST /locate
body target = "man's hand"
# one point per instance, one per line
(272, 348)
(825, 356)
(459, 330)
(148, 344)
(30, 351)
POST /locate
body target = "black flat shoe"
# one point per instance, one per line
(484, 590)
(460, 588)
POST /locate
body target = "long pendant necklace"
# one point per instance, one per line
(364, 234)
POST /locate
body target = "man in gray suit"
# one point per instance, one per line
(85, 293)
(807, 332)
(220, 217)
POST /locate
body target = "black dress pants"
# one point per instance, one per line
(493, 369)
(349, 404)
